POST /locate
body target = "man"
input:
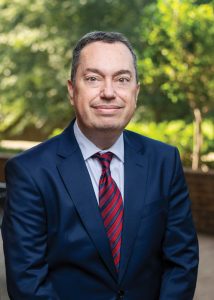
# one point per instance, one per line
(98, 212)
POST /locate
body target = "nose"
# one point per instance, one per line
(108, 91)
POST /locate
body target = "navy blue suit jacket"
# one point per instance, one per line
(55, 242)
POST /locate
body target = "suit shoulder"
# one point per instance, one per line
(42, 151)
(158, 153)
(148, 144)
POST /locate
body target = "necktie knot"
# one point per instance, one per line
(104, 159)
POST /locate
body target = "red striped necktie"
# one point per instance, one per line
(111, 206)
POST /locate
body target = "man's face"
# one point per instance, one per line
(105, 90)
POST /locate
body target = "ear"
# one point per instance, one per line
(70, 91)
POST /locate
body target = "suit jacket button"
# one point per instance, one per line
(120, 294)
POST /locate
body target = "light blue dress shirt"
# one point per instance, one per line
(88, 149)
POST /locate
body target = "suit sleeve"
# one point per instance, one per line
(180, 245)
(24, 234)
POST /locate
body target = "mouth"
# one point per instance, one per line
(104, 106)
(107, 109)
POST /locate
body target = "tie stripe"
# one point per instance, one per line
(111, 205)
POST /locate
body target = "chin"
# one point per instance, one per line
(109, 126)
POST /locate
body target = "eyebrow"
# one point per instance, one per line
(120, 72)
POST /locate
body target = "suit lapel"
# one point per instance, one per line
(135, 177)
(76, 178)
(77, 181)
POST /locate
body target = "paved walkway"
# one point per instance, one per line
(205, 286)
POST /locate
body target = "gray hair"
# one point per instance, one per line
(97, 36)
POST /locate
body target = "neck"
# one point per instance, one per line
(103, 139)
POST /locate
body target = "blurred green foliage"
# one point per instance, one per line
(36, 41)
(174, 40)
(177, 58)
(177, 64)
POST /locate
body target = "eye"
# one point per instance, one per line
(91, 78)
(123, 79)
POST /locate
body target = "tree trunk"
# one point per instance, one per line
(197, 139)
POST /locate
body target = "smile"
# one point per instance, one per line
(107, 109)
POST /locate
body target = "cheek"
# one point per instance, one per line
(129, 95)
(131, 107)
(131, 101)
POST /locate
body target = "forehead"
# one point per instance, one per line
(106, 56)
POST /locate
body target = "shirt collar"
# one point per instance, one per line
(88, 148)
